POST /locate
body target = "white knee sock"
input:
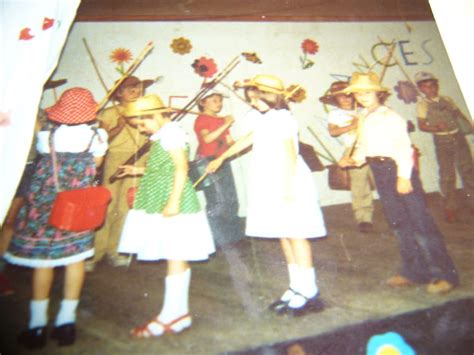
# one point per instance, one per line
(176, 300)
(67, 312)
(293, 276)
(38, 313)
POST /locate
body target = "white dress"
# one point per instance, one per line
(269, 214)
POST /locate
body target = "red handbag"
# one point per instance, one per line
(80, 209)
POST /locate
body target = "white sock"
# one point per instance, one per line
(293, 275)
(67, 312)
(176, 300)
(306, 286)
(38, 313)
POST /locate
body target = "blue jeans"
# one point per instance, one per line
(222, 207)
(423, 253)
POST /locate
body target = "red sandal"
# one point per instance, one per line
(155, 328)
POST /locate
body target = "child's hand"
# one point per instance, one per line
(171, 209)
(229, 120)
(214, 165)
(354, 123)
(127, 170)
(346, 162)
(404, 186)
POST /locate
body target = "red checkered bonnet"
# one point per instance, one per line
(75, 106)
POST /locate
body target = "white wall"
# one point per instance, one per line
(419, 47)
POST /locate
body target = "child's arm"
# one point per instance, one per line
(180, 160)
(336, 131)
(210, 137)
(239, 145)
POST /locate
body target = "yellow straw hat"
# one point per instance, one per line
(266, 83)
(361, 82)
(146, 105)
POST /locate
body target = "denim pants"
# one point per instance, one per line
(423, 252)
(222, 207)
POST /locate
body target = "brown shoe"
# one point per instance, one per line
(399, 281)
(439, 286)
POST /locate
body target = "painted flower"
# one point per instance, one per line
(406, 92)
(181, 45)
(309, 46)
(121, 55)
(205, 67)
(296, 92)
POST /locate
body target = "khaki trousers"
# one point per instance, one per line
(362, 200)
(108, 236)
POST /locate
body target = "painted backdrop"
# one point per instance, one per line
(312, 55)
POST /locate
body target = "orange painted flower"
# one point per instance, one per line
(205, 67)
(309, 46)
(181, 45)
(121, 55)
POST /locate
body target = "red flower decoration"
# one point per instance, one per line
(47, 23)
(205, 67)
(25, 34)
(309, 46)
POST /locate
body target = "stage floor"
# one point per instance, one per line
(229, 297)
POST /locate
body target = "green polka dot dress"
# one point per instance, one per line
(146, 232)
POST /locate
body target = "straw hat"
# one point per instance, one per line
(361, 82)
(266, 83)
(424, 76)
(75, 106)
(130, 81)
(335, 89)
(146, 105)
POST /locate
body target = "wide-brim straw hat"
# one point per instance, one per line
(266, 83)
(335, 89)
(361, 82)
(75, 106)
(146, 105)
(130, 81)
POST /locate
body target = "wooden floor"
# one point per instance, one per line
(230, 293)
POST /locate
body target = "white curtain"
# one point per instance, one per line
(32, 35)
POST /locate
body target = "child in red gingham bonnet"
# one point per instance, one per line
(80, 148)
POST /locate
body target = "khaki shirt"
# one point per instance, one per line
(129, 139)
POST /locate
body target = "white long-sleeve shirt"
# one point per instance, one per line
(384, 133)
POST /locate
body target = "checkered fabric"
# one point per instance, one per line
(75, 106)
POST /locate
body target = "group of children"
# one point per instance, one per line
(166, 221)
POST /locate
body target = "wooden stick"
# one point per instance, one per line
(94, 64)
(322, 144)
(127, 73)
(203, 176)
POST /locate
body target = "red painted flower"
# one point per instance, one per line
(309, 46)
(205, 67)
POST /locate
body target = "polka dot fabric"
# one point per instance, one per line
(75, 106)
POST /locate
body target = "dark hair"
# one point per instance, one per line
(383, 96)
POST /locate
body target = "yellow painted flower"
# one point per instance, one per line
(181, 45)
(121, 55)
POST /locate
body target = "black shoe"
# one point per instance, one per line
(366, 227)
(65, 334)
(279, 306)
(34, 338)
(312, 305)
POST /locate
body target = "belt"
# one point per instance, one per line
(454, 131)
(378, 159)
